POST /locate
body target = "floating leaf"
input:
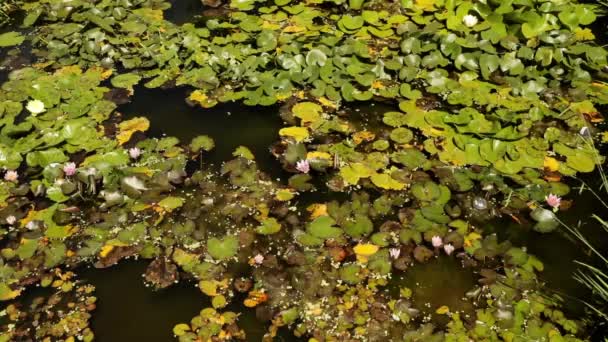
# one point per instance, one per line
(171, 203)
(364, 251)
(223, 249)
(298, 133)
(202, 142)
(11, 39)
(128, 127)
(269, 226)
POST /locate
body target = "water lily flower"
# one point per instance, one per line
(394, 252)
(436, 241)
(35, 106)
(11, 219)
(303, 166)
(11, 176)
(553, 201)
(258, 259)
(32, 225)
(448, 249)
(470, 20)
(134, 152)
(69, 169)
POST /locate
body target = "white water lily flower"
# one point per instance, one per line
(35, 106)
(470, 20)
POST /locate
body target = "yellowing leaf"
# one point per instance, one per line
(364, 251)
(551, 164)
(198, 96)
(318, 155)
(426, 5)
(298, 133)
(309, 112)
(470, 238)
(361, 136)
(263, 209)
(377, 85)
(105, 250)
(294, 29)
(6, 293)
(127, 128)
(583, 34)
(326, 102)
(106, 74)
(385, 181)
(443, 310)
(317, 209)
(271, 26)
(208, 287)
(255, 298)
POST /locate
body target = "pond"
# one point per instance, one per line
(286, 171)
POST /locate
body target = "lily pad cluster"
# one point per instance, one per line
(63, 314)
(490, 101)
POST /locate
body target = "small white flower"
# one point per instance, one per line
(394, 252)
(35, 107)
(470, 20)
(11, 219)
(448, 249)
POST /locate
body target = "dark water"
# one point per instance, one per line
(129, 311)
(184, 11)
(230, 124)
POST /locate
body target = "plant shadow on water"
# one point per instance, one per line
(128, 311)
(441, 281)
(229, 124)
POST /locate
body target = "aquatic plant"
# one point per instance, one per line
(487, 101)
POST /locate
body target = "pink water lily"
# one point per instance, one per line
(303, 166)
(553, 201)
(134, 152)
(69, 169)
(258, 259)
(394, 252)
(11, 176)
(437, 241)
(448, 249)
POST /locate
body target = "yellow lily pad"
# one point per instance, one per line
(129, 127)
(298, 133)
